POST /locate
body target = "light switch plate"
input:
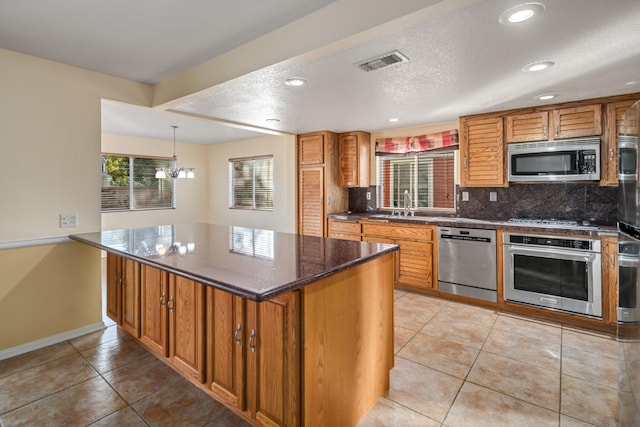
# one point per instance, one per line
(68, 220)
(465, 196)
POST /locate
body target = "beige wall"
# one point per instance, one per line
(191, 194)
(402, 132)
(283, 217)
(50, 164)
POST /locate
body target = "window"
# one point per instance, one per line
(251, 183)
(428, 179)
(147, 192)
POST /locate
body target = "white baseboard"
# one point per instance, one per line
(54, 339)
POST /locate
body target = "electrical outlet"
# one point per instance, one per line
(465, 196)
(368, 195)
(493, 196)
(68, 220)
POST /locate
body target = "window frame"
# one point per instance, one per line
(414, 159)
(232, 199)
(132, 167)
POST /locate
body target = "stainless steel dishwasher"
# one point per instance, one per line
(467, 262)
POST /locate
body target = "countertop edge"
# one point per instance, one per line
(258, 297)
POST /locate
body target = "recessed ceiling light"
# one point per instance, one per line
(520, 13)
(394, 119)
(295, 81)
(546, 96)
(631, 83)
(272, 120)
(537, 66)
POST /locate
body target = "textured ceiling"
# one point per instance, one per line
(461, 59)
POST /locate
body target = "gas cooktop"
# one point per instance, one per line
(553, 223)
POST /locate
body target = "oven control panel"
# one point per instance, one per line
(553, 241)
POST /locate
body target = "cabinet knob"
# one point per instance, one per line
(611, 153)
(252, 344)
(613, 260)
(238, 339)
(171, 304)
(544, 131)
(557, 129)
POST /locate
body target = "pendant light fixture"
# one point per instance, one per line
(175, 173)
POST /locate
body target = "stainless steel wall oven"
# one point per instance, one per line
(554, 272)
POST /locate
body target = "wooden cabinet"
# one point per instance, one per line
(609, 153)
(253, 355)
(319, 192)
(609, 280)
(123, 293)
(274, 360)
(576, 122)
(172, 321)
(416, 263)
(482, 152)
(527, 127)
(354, 152)
(347, 230)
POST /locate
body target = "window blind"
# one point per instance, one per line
(428, 179)
(251, 183)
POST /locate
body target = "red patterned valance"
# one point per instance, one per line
(417, 144)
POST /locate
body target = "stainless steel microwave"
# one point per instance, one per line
(565, 160)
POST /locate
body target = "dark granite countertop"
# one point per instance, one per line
(593, 231)
(252, 263)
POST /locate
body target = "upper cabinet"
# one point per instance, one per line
(354, 148)
(609, 152)
(527, 127)
(311, 148)
(482, 152)
(574, 122)
(577, 122)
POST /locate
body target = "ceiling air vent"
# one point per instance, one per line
(383, 61)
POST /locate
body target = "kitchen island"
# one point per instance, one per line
(282, 328)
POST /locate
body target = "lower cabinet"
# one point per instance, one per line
(415, 264)
(172, 323)
(123, 293)
(253, 355)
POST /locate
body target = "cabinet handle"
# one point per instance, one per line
(251, 343)
(466, 163)
(119, 279)
(544, 131)
(611, 153)
(613, 260)
(162, 303)
(238, 339)
(557, 129)
(171, 304)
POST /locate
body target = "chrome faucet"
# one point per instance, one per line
(407, 202)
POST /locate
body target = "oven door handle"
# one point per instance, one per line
(553, 253)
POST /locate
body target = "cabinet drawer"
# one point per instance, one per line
(344, 236)
(344, 226)
(399, 231)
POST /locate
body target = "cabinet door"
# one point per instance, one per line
(226, 341)
(114, 287)
(577, 122)
(273, 360)
(131, 296)
(311, 204)
(609, 153)
(153, 317)
(482, 151)
(415, 264)
(349, 171)
(186, 326)
(527, 127)
(311, 149)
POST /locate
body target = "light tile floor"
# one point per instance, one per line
(456, 365)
